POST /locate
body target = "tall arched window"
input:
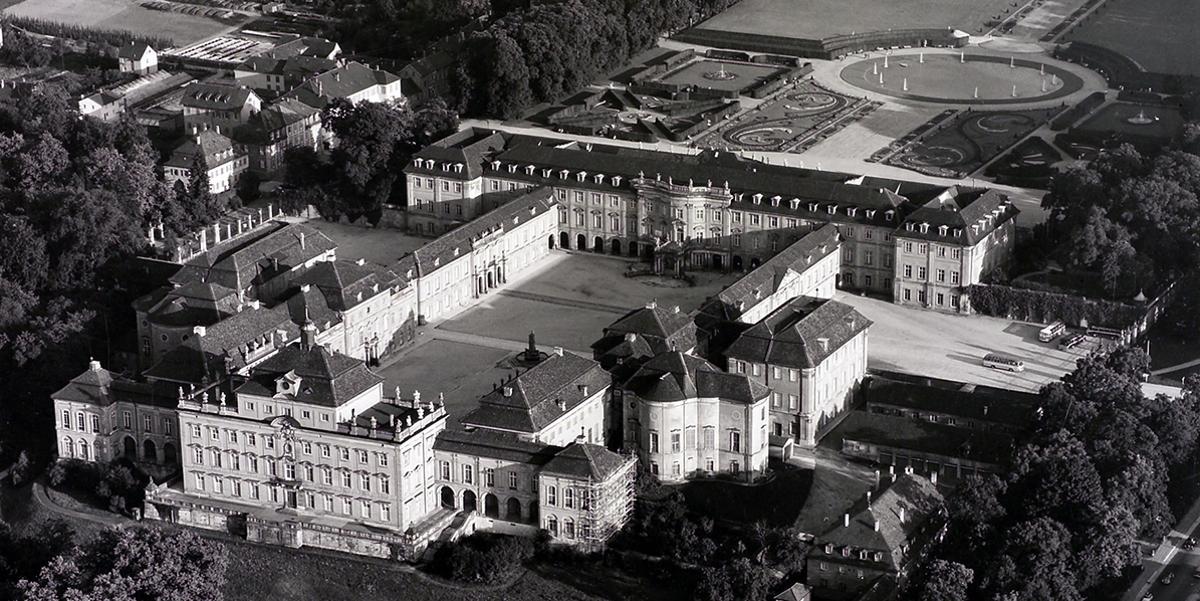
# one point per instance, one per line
(67, 448)
(84, 450)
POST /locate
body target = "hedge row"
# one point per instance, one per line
(113, 37)
(1045, 307)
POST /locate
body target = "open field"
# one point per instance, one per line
(126, 15)
(815, 19)
(951, 346)
(959, 79)
(1157, 34)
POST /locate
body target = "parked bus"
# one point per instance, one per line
(1071, 341)
(1003, 362)
(1052, 331)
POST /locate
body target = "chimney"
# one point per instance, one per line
(824, 342)
(901, 515)
(562, 405)
(200, 331)
(305, 287)
(933, 478)
(846, 520)
(360, 262)
(985, 409)
(583, 388)
(507, 391)
(868, 498)
(875, 525)
(255, 304)
(630, 337)
(301, 239)
(652, 305)
(675, 310)
(308, 335)
(558, 350)
(93, 365)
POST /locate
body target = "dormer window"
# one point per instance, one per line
(529, 170)
(870, 213)
(445, 166)
(812, 206)
(908, 226)
(828, 549)
(512, 168)
(794, 203)
(889, 215)
(942, 229)
(737, 197)
(437, 261)
(975, 228)
(845, 551)
(851, 211)
(616, 180)
(598, 178)
(408, 274)
(832, 209)
(775, 201)
(580, 176)
(563, 174)
(957, 232)
(288, 383)
(924, 228)
(546, 173)
(458, 167)
(496, 165)
(757, 199)
(456, 251)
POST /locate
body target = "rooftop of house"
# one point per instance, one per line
(647, 331)
(959, 215)
(257, 258)
(343, 82)
(322, 377)
(305, 46)
(895, 432)
(459, 241)
(100, 387)
(889, 523)
(541, 396)
(134, 50)
(800, 334)
(216, 96)
(763, 281)
(587, 462)
(346, 284)
(969, 401)
(675, 376)
(195, 303)
(496, 445)
(214, 147)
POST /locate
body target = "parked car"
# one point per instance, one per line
(1168, 576)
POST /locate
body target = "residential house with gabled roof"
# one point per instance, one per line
(137, 57)
(377, 308)
(353, 81)
(884, 535)
(218, 106)
(812, 354)
(284, 124)
(271, 76)
(224, 162)
(645, 332)
(686, 417)
(311, 46)
(953, 241)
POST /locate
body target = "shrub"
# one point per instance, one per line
(483, 558)
(57, 474)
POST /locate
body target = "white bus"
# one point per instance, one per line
(1003, 362)
(1052, 331)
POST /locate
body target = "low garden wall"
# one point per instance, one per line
(1040, 306)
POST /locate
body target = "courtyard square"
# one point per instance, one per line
(721, 75)
(382, 245)
(952, 347)
(471, 374)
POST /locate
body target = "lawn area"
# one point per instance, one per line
(512, 318)
(968, 141)
(1158, 34)
(382, 246)
(816, 19)
(778, 502)
(463, 372)
(739, 76)
(258, 572)
(127, 15)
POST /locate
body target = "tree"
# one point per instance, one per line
(1034, 564)
(944, 580)
(135, 563)
(738, 580)
(365, 163)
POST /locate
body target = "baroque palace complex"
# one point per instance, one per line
(256, 408)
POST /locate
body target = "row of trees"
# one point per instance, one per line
(366, 169)
(1093, 478)
(77, 197)
(553, 49)
(50, 564)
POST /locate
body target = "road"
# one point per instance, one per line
(1185, 586)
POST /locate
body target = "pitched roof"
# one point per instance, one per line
(530, 402)
(248, 261)
(763, 281)
(970, 401)
(653, 321)
(195, 303)
(467, 148)
(496, 445)
(800, 334)
(459, 241)
(345, 284)
(327, 378)
(985, 446)
(675, 376)
(91, 386)
(586, 461)
(133, 50)
(343, 82)
(910, 495)
(216, 96)
(305, 46)
(958, 209)
(209, 144)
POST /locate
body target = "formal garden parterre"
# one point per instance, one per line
(964, 143)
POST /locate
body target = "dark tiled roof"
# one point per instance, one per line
(914, 496)
(245, 263)
(586, 461)
(458, 242)
(675, 376)
(327, 378)
(343, 82)
(925, 437)
(91, 386)
(133, 50)
(209, 144)
(792, 335)
(496, 445)
(216, 96)
(957, 209)
(763, 281)
(467, 148)
(304, 46)
(653, 321)
(980, 403)
(345, 284)
(533, 397)
(284, 113)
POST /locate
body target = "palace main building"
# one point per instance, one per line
(920, 244)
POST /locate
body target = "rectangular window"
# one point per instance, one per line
(382, 458)
(327, 476)
(344, 453)
(385, 512)
(199, 481)
(364, 508)
(446, 471)
(675, 442)
(941, 275)
(921, 273)
(364, 482)
(96, 424)
(512, 480)
(126, 420)
(306, 447)
(710, 437)
(908, 271)
(66, 419)
(346, 507)
(345, 479)
(654, 442)
(953, 277)
(735, 441)
(254, 492)
(489, 477)
(197, 456)
(569, 498)
(467, 474)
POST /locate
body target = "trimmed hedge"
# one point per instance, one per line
(1044, 307)
(112, 37)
